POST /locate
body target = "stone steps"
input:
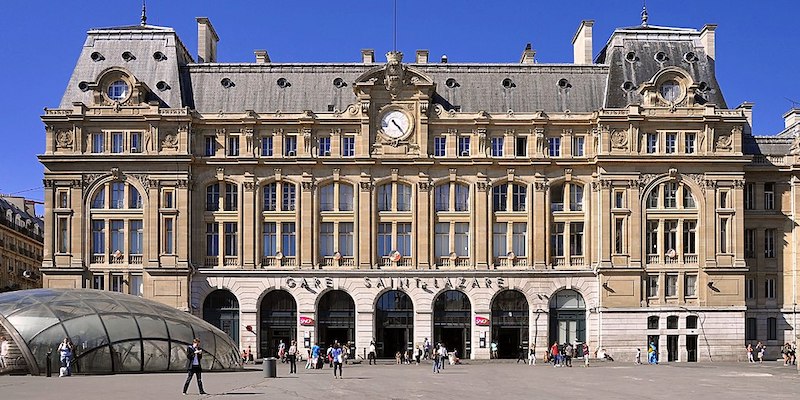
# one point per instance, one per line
(15, 362)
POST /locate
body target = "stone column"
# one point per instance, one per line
(247, 219)
(365, 219)
(481, 214)
(80, 239)
(50, 231)
(424, 228)
(305, 230)
(540, 218)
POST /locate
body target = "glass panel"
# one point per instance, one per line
(121, 327)
(44, 342)
(86, 333)
(156, 355)
(96, 361)
(32, 320)
(152, 327)
(127, 356)
(208, 344)
(177, 356)
(179, 331)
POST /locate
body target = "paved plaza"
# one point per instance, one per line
(470, 381)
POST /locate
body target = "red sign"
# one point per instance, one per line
(249, 328)
(306, 321)
(481, 321)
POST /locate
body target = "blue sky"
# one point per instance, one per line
(757, 45)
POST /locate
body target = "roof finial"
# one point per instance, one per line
(644, 13)
(144, 13)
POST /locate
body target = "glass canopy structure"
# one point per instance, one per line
(112, 332)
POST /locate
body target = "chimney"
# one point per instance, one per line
(582, 43)
(707, 38)
(444, 59)
(368, 56)
(527, 55)
(747, 110)
(262, 57)
(206, 41)
(791, 118)
(422, 56)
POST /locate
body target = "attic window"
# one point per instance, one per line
(630, 57)
(227, 83)
(670, 90)
(283, 83)
(159, 56)
(83, 86)
(162, 86)
(661, 57)
(128, 56)
(690, 57)
(628, 86)
(97, 56)
(339, 83)
(117, 90)
(508, 83)
(563, 83)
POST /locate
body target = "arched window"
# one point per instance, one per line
(509, 227)
(394, 196)
(451, 231)
(394, 231)
(671, 224)
(212, 197)
(329, 201)
(672, 322)
(278, 230)
(99, 199)
(501, 200)
(116, 237)
(567, 228)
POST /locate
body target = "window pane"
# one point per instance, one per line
(346, 239)
(462, 239)
(385, 197)
(442, 239)
(499, 231)
(404, 239)
(519, 242)
(403, 197)
(442, 197)
(288, 239)
(345, 197)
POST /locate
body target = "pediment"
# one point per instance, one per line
(394, 77)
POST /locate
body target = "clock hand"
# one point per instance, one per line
(398, 126)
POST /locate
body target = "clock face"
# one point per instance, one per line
(395, 124)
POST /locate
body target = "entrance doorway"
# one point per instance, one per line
(651, 339)
(510, 323)
(567, 317)
(691, 348)
(221, 309)
(672, 348)
(336, 319)
(278, 322)
(394, 323)
(451, 322)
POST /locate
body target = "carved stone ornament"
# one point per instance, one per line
(307, 186)
(423, 108)
(364, 107)
(619, 139)
(48, 183)
(645, 179)
(541, 186)
(115, 174)
(144, 180)
(64, 139)
(170, 141)
(795, 149)
(394, 73)
(482, 186)
(88, 179)
(249, 186)
(739, 183)
(698, 179)
(365, 186)
(424, 186)
(220, 131)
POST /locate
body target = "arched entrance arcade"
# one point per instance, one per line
(394, 323)
(221, 309)
(278, 321)
(336, 318)
(510, 323)
(451, 321)
(567, 317)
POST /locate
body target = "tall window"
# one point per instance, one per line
(345, 197)
(117, 142)
(117, 195)
(518, 199)
(266, 146)
(690, 285)
(749, 196)
(751, 329)
(210, 147)
(521, 146)
(442, 197)
(750, 288)
(652, 143)
(619, 235)
(769, 288)
(288, 235)
(500, 197)
(576, 197)
(772, 328)
(384, 239)
(403, 197)
(652, 285)
(328, 202)
(134, 198)
(442, 239)
(404, 239)
(63, 235)
(769, 196)
(270, 239)
(169, 236)
(346, 239)
(671, 287)
(459, 201)
(97, 143)
(463, 146)
(212, 239)
(231, 197)
(137, 285)
(98, 282)
(689, 237)
(652, 237)
(576, 238)
(326, 239)
(324, 147)
(116, 283)
(723, 235)
(749, 243)
(461, 239)
(289, 197)
(518, 238)
(270, 196)
(670, 236)
(117, 236)
(557, 240)
(689, 143)
(439, 146)
(769, 243)
(136, 142)
(348, 146)
(385, 197)
(578, 146)
(290, 146)
(233, 146)
(499, 233)
(670, 195)
(212, 197)
(671, 142)
(231, 235)
(554, 147)
(98, 237)
(497, 146)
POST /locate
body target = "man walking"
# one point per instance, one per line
(436, 361)
(292, 356)
(194, 354)
(371, 355)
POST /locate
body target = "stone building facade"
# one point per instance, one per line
(21, 241)
(614, 201)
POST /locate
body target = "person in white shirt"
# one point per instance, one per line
(371, 355)
(194, 354)
(4, 348)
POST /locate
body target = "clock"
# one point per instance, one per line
(395, 124)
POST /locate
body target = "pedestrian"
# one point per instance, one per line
(761, 350)
(315, 355)
(436, 360)
(345, 352)
(493, 347)
(750, 353)
(554, 354)
(427, 347)
(329, 354)
(418, 354)
(337, 357)
(521, 355)
(292, 357)
(638, 359)
(531, 357)
(309, 359)
(250, 356)
(4, 347)
(585, 355)
(568, 354)
(442, 355)
(244, 356)
(194, 354)
(282, 351)
(371, 355)
(65, 351)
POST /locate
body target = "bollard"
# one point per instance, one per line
(270, 367)
(49, 364)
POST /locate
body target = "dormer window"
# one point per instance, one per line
(118, 90)
(670, 90)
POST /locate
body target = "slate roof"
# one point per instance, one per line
(766, 145)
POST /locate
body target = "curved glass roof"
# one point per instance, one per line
(112, 332)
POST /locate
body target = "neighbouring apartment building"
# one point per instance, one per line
(617, 200)
(21, 241)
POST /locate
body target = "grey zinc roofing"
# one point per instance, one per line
(142, 42)
(478, 86)
(766, 145)
(645, 67)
